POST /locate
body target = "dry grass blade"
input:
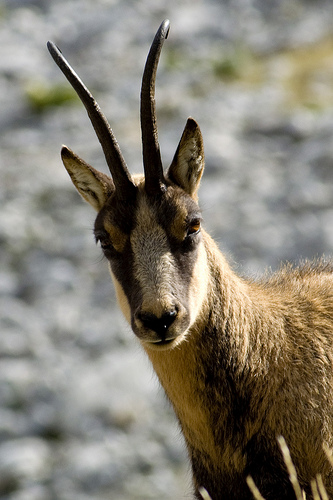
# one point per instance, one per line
(254, 490)
(290, 468)
(318, 489)
(321, 488)
(204, 493)
(314, 489)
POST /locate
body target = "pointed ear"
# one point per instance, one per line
(94, 186)
(188, 163)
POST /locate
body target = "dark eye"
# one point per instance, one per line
(193, 227)
(105, 246)
(105, 243)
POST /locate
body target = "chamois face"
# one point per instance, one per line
(152, 245)
(152, 242)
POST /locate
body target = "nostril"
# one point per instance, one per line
(158, 325)
(168, 318)
(147, 319)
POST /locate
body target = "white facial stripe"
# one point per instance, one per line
(199, 284)
(160, 285)
(153, 262)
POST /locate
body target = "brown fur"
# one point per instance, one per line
(258, 365)
(242, 362)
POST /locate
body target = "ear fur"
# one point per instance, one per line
(188, 163)
(94, 186)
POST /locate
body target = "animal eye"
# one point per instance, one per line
(106, 245)
(104, 242)
(194, 227)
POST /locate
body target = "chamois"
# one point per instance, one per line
(242, 362)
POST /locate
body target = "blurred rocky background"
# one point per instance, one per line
(81, 414)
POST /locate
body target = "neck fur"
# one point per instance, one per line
(210, 363)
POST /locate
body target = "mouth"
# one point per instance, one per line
(165, 345)
(160, 345)
(163, 342)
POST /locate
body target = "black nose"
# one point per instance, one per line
(158, 325)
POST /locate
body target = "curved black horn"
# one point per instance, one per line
(116, 163)
(151, 151)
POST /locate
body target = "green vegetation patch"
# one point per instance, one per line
(237, 63)
(41, 96)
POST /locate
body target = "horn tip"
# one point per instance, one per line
(54, 51)
(164, 28)
(51, 46)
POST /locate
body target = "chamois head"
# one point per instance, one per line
(148, 226)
